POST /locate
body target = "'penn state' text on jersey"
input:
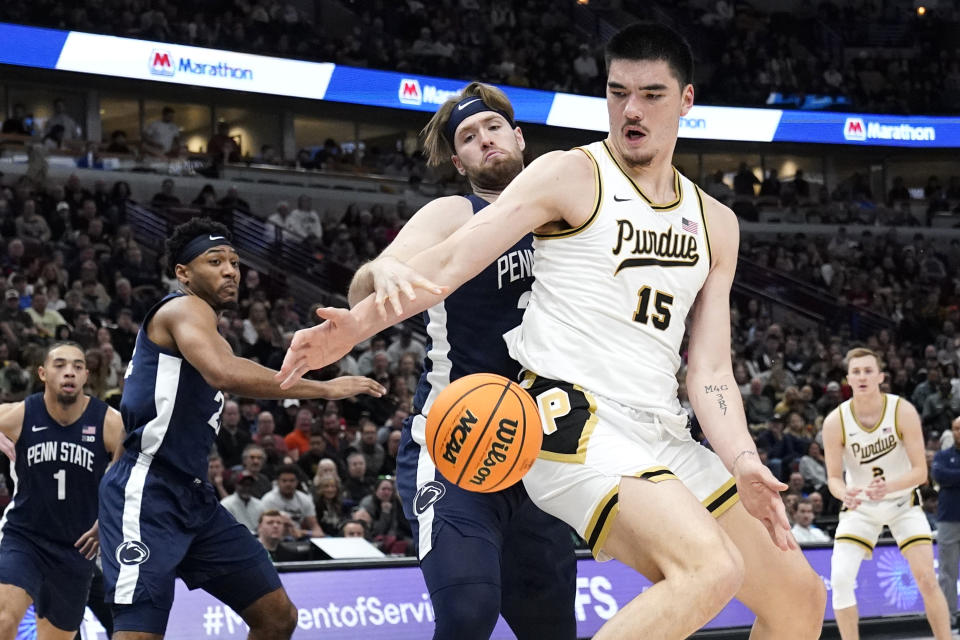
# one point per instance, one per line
(57, 473)
(610, 297)
(171, 414)
(871, 451)
(466, 329)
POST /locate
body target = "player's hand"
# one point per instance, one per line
(392, 277)
(89, 543)
(760, 494)
(318, 346)
(877, 489)
(8, 448)
(851, 498)
(347, 386)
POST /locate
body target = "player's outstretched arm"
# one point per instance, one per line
(911, 430)
(11, 421)
(833, 452)
(192, 324)
(713, 390)
(557, 187)
(388, 276)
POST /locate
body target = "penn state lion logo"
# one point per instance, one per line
(132, 552)
(427, 496)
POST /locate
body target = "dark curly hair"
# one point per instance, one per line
(184, 233)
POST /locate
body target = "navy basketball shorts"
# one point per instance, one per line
(53, 574)
(156, 526)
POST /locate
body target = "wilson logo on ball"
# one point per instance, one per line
(483, 432)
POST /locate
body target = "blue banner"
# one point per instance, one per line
(30, 46)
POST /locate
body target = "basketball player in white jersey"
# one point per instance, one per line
(877, 440)
(624, 249)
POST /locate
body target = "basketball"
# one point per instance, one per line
(483, 432)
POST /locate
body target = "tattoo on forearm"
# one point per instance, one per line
(717, 391)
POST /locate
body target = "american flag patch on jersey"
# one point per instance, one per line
(90, 429)
(689, 226)
(887, 430)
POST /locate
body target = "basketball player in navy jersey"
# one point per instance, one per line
(159, 517)
(482, 554)
(64, 441)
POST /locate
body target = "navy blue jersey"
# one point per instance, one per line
(57, 473)
(170, 413)
(466, 330)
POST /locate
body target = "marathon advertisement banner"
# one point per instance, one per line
(392, 603)
(229, 70)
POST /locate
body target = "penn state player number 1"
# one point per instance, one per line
(61, 477)
(661, 303)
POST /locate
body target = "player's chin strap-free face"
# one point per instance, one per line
(199, 245)
(470, 105)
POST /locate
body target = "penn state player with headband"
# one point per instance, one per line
(159, 517)
(63, 442)
(481, 554)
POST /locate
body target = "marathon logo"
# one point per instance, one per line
(410, 93)
(162, 64)
(857, 130)
(693, 123)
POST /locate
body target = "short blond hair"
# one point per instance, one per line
(863, 352)
(435, 145)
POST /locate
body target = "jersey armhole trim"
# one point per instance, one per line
(843, 430)
(896, 419)
(706, 227)
(597, 201)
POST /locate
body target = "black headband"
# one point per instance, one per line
(199, 245)
(464, 109)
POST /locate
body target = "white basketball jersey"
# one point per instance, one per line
(874, 450)
(610, 297)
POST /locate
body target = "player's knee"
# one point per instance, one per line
(808, 595)
(466, 611)
(729, 575)
(9, 623)
(286, 622)
(843, 589)
(926, 580)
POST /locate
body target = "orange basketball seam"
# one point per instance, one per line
(453, 405)
(482, 433)
(523, 437)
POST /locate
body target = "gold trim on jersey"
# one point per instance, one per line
(602, 519)
(863, 542)
(656, 474)
(720, 501)
(896, 419)
(921, 539)
(706, 232)
(883, 414)
(598, 200)
(843, 429)
(677, 188)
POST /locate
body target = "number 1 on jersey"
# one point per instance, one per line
(661, 303)
(61, 477)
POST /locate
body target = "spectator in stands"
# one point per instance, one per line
(800, 185)
(898, 192)
(296, 504)
(222, 147)
(744, 181)
(16, 322)
(390, 528)
(305, 221)
(244, 506)
(53, 139)
(357, 484)
(268, 155)
(758, 405)
(813, 467)
(18, 123)
(719, 189)
(280, 219)
(165, 197)
(217, 475)
(231, 439)
(309, 461)
(31, 227)
(329, 504)
(926, 388)
(391, 449)
(233, 200)
(771, 185)
(939, 408)
(585, 69)
(162, 137)
(355, 529)
(206, 198)
(118, 143)
(803, 529)
(270, 532)
(404, 343)
(254, 458)
(60, 117)
(333, 431)
(298, 441)
(372, 451)
(45, 319)
(830, 399)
